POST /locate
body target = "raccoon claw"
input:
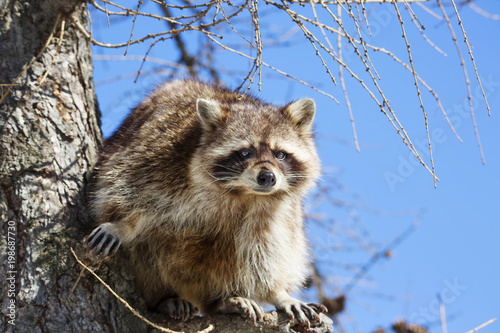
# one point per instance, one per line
(177, 308)
(246, 307)
(102, 243)
(303, 313)
(319, 308)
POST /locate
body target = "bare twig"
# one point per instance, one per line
(466, 40)
(342, 83)
(482, 325)
(366, 18)
(379, 255)
(309, 36)
(467, 82)
(421, 28)
(482, 12)
(139, 3)
(124, 302)
(362, 42)
(442, 315)
(186, 58)
(418, 91)
(257, 63)
(258, 39)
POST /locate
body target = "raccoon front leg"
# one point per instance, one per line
(246, 307)
(177, 308)
(299, 312)
(103, 241)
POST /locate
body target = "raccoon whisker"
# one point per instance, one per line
(223, 176)
(230, 169)
(298, 175)
(292, 194)
(287, 191)
(220, 179)
(219, 174)
(227, 190)
(204, 169)
(214, 181)
(226, 175)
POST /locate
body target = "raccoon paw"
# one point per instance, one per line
(302, 313)
(102, 243)
(177, 308)
(246, 307)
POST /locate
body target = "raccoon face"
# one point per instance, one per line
(261, 169)
(258, 149)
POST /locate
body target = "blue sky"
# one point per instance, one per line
(454, 250)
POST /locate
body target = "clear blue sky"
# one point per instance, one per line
(454, 251)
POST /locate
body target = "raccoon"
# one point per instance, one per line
(204, 186)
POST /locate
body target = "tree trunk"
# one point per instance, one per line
(48, 143)
(49, 137)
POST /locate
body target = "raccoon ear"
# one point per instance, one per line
(209, 113)
(302, 113)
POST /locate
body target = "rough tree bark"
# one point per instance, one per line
(49, 136)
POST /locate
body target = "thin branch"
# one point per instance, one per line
(225, 47)
(419, 94)
(378, 255)
(366, 18)
(467, 82)
(318, 24)
(342, 83)
(309, 36)
(147, 53)
(159, 61)
(362, 42)
(438, 101)
(442, 313)
(231, 26)
(258, 38)
(186, 58)
(137, 41)
(482, 325)
(432, 13)
(482, 12)
(466, 40)
(124, 302)
(257, 63)
(413, 15)
(421, 28)
(139, 3)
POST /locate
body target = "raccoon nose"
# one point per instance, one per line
(266, 178)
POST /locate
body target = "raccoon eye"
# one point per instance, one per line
(280, 155)
(245, 153)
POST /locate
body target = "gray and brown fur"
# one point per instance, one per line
(172, 184)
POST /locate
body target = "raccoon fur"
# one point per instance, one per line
(204, 185)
